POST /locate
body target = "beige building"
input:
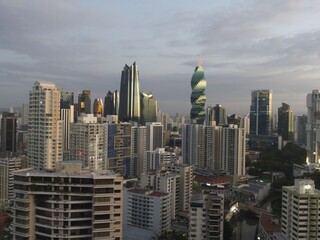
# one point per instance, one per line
(301, 210)
(67, 204)
(44, 126)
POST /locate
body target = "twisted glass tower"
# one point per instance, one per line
(198, 99)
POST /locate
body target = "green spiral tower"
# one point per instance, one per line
(198, 98)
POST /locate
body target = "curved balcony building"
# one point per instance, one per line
(198, 98)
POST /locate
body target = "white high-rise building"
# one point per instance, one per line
(313, 127)
(185, 189)
(44, 126)
(67, 117)
(154, 135)
(164, 181)
(233, 150)
(300, 217)
(206, 216)
(159, 157)
(70, 203)
(146, 213)
(88, 142)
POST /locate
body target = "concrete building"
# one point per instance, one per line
(164, 181)
(7, 166)
(146, 213)
(158, 157)
(313, 127)
(300, 210)
(154, 135)
(67, 204)
(118, 148)
(88, 142)
(206, 216)
(44, 126)
(138, 150)
(186, 176)
(233, 150)
(67, 117)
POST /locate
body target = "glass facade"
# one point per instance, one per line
(198, 98)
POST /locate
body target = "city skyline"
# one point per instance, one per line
(84, 46)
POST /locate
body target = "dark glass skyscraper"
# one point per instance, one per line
(129, 106)
(66, 100)
(8, 132)
(111, 103)
(198, 99)
(149, 108)
(220, 115)
(261, 112)
(286, 122)
(84, 102)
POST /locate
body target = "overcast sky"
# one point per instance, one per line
(244, 45)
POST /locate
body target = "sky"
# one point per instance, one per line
(242, 45)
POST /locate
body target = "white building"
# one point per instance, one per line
(300, 217)
(146, 213)
(206, 216)
(7, 167)
(67, 204)
(164, 181)
(67, 117)
(44, 126)
(154, 135)
(159, 157)
(313, 127)
(233, 150)
(88, 142)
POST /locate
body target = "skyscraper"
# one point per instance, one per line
(111, 103)
(261, 112)
(286, 122)
(8, 132)
(301, 134)
(220, 115)
(84, 102)
(45, 126)
(313, 127)
(149, 108)
(129, 105)
(198, 98)
(138, 150)
(154, 136)
(66, 100)
(97, 107)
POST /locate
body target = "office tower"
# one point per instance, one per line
(164, 118)
(67, 117)
(66, 100)
(88, 142)
(154, 136)
(84, 102)
(146, 213)
(313, 127)
(220, 115)
(97, 107)
(70, 203)
(261, 112)
(111, 103)
(164, 181)
(198, 145)
(138, 150)
(301, 122)
(206, 216)
(149, 108)
(198, 98)
(158, 157)
(286, 122)
(233, 150)
(8, 132)
(118, 148)
(45, 126)
(24, 114)
(300, 210)
(236, 119)
(186, 176)
(7, 167)
(129, 105)
(209, 120)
